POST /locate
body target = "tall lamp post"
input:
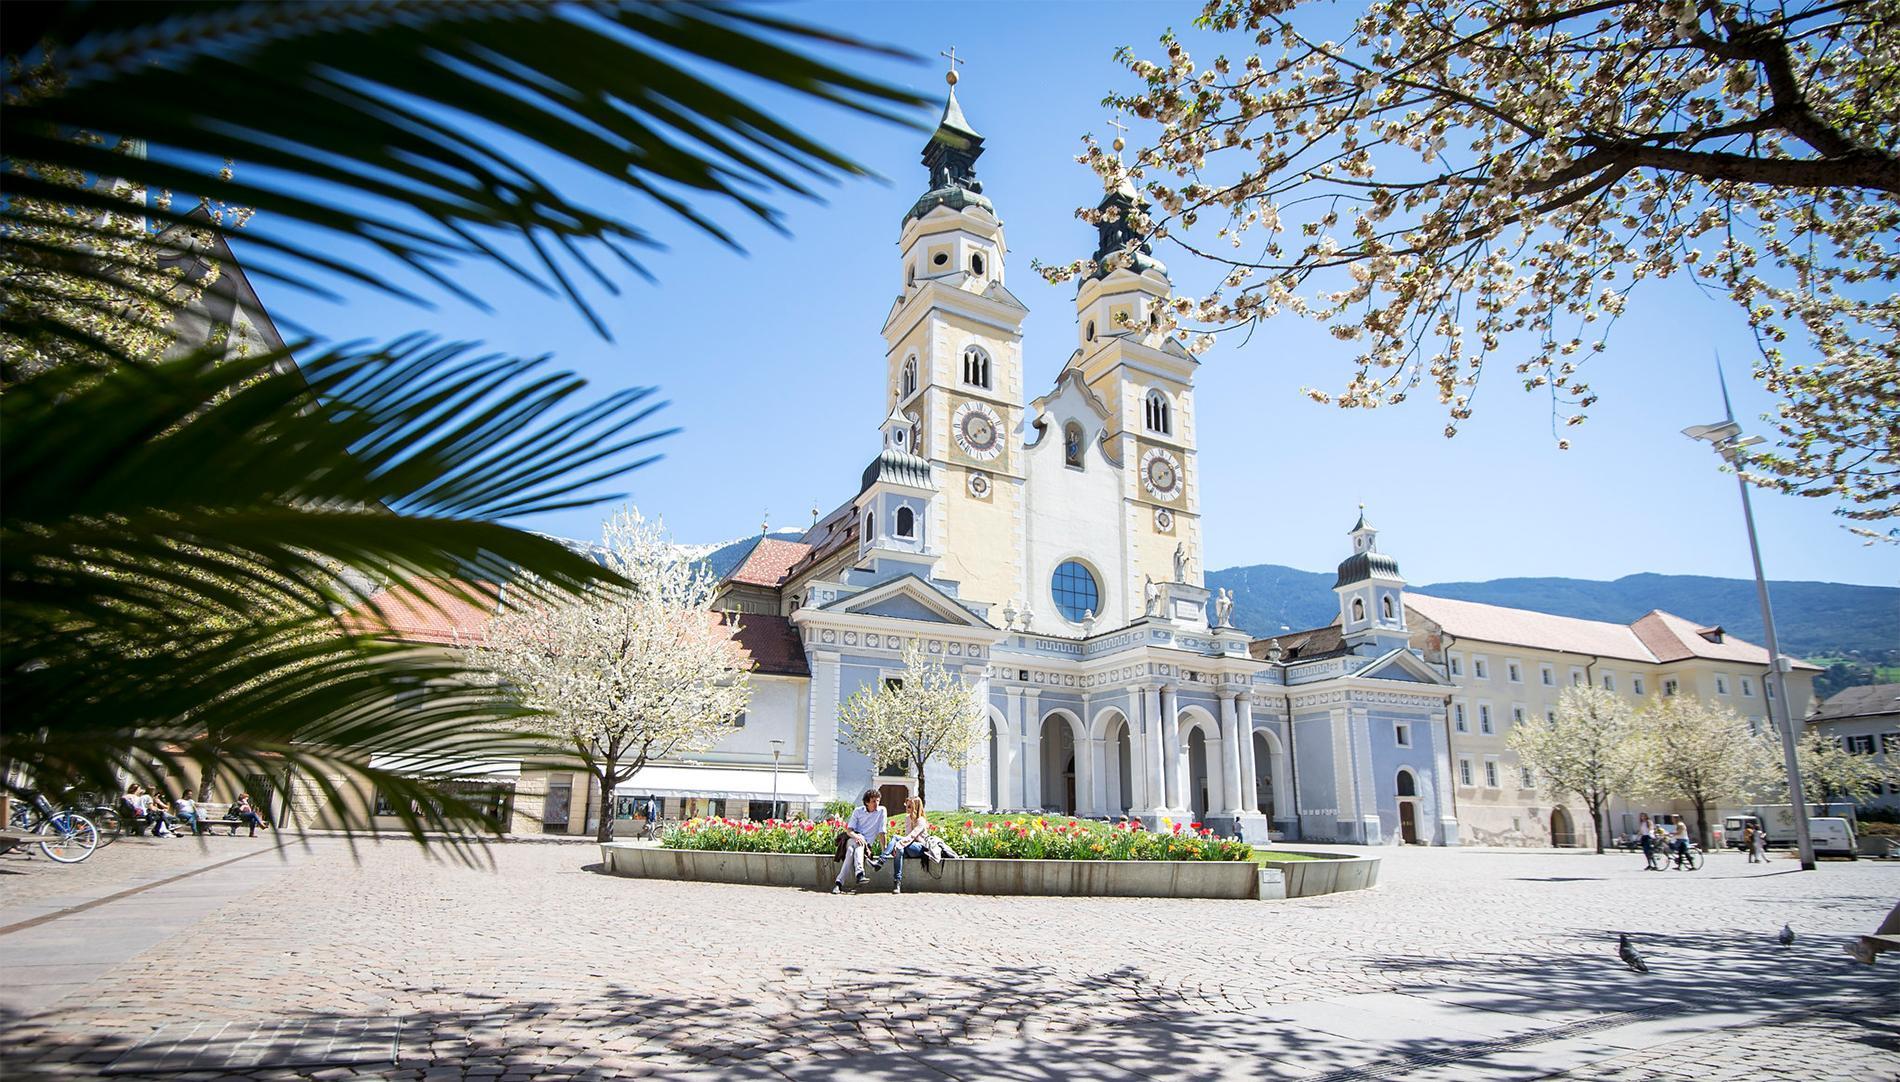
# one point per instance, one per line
(778, 748)
(1727, 439)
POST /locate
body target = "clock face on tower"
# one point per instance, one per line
(979, 431)
(1161, 474)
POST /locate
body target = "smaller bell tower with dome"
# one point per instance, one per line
(1371, 594)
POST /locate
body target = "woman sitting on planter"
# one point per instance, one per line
(916, 841)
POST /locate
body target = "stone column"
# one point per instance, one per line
(1249, 769)
(1099, 781)
(821, 744)
(1154, 793)
(1012, 743)
(1032, 750)
(1171, 747)
(1229, 757)
(1254, 826)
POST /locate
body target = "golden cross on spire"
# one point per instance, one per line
(1120, 130)
(951, 75)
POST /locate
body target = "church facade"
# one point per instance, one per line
(1048, 548)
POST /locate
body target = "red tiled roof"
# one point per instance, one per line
(1522, 627)
(770, 641)
(427, 610)
(1672, 638)
(768, 562)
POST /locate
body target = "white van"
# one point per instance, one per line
(1832, 837)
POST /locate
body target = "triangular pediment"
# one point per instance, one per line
(907, 598)
(1404, 666)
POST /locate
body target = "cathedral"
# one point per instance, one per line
(1049, 548)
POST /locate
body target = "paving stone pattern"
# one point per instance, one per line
(1461, 965)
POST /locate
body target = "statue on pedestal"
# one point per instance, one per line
(1150, 596)
(1224, 609)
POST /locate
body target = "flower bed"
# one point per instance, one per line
(1022, 838)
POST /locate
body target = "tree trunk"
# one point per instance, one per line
(1596, 821)
(604, 774)
(1702, 821)
(920, 781)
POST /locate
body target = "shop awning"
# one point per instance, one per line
(495, 770)
(727, 782)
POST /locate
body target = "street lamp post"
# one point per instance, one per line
(778, 747)
(1726, 437)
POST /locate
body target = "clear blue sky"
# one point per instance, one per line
(773, 363)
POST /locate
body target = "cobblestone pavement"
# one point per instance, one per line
(1459, 965)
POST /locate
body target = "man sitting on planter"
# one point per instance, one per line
(866, 827)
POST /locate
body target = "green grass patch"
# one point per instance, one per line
(1262, 856)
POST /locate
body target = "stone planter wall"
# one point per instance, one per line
(1335, 873)
(1069, 878)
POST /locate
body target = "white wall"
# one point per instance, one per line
(1073, 514)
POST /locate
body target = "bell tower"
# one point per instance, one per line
(1146, 379)
(1371, 594)
(953, 361)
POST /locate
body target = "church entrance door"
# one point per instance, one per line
(1562, 833)
(893, 797)
(1408, 821)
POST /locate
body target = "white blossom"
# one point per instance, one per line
(928, 715)
(626, 674)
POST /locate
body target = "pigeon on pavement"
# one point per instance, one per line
(1629, 955)
(1786, 938)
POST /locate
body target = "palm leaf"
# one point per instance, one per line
(177, 539)
(407, 116)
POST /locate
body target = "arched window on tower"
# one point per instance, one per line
(976, 264)
(906, 522)
(1157, 414)
(909, 379)
(976, 368)
(1072, 445)
(1385, 608)
(870, 526)
(1358, 609)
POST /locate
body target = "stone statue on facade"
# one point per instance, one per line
(1150, 596)
(1180, 563)
(1224, 609)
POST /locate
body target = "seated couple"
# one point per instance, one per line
(868, 824)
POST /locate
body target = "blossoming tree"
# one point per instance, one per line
(627, 674)
(1830, 772)
(1703, 753)
(1455, 187)
(927, 715)
(1589, 751)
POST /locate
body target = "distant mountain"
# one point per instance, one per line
(1814, 619)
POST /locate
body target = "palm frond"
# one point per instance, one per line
(177, 541)
(404, 115)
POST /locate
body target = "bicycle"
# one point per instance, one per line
(1692, 860)
(103, 816)
(66, 836)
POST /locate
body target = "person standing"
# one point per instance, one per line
(1646, 837)
(867, 824)
(1758, 851)
(1681, 843)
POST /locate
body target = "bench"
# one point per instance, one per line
(1884, 938)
